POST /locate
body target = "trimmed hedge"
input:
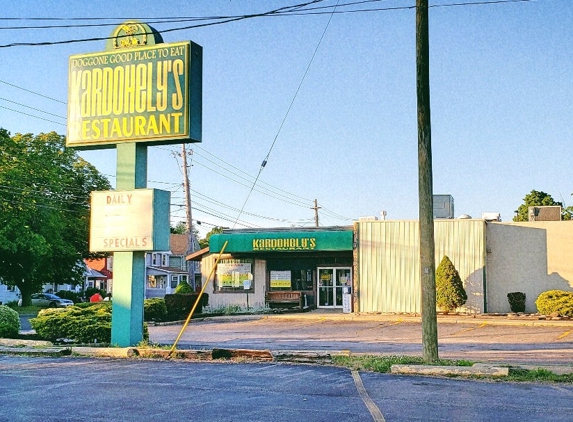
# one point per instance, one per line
(89, 324)
(179, 305)
(154, 309)
(183, 288)
(83, 323)
(516, 301)
(66, 294)
(9, 322)
(555, 301)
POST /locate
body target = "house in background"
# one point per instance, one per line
(166, 270)
(99, 273)
(8, 293)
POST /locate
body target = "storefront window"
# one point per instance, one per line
(291, 279)
(234, 276)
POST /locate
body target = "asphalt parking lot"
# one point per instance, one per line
(493, 340)
(85, 389)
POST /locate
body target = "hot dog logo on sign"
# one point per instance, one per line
(138, 90)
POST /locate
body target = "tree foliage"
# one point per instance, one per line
(179, 228)
(537, 199)
(44, 211)
(450, 292)
(215, 230)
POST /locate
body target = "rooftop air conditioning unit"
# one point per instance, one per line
(491, 216)
(443, 206)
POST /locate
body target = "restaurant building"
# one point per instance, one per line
(279, 267)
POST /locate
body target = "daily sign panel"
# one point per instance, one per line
(148, 94)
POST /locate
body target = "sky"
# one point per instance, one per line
(329, 100)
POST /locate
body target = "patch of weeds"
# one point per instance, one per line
(537, 375)
(383, 364)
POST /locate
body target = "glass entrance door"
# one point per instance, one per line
(330, 283)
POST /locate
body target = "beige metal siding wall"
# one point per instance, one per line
(389, 262)
(463, 241)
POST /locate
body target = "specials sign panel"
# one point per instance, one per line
(136, 220)
(147, 94)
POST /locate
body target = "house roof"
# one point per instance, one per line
(167, 270)
(91, 273)
(196, 256)
(99, 266)
(179, 244)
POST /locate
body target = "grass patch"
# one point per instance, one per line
(384, 363)
(537, 375)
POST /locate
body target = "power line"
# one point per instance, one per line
(32, 108)
(32, 92)
(220, 22)
(264, 163)
(293, 199)
(31, 115)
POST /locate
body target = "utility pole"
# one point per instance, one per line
(315, 208)
(425, 188)
(189, 222)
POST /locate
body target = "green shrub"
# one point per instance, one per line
(184, 288)
(154, 310)
(555, 301)
(67, 294)
(450, 293)
(516, 301)
(179, 305)
(9, 322)
(80, 324)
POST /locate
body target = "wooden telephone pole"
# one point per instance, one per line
(189, 222)
(315, 208)
(425, 188)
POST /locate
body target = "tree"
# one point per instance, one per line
(450, 292)
(179, 228)
(536, 199)
(44, 211)
(205, 242)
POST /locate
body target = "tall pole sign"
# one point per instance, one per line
(138, 92)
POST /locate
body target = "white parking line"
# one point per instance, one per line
(372, 408)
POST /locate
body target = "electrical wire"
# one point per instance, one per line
(220, 22)
(264, 163)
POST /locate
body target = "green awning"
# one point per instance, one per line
(283, 241)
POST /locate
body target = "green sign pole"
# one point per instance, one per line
(129, 267)
(138, 92)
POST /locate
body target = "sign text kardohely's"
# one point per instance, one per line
(148, 94)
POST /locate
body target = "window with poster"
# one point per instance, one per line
(235, 276)
(290, 275)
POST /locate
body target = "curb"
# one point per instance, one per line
(478, 369)
(297, 357)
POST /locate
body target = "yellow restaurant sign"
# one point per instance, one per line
(150, 93)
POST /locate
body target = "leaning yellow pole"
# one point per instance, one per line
(198, 300)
